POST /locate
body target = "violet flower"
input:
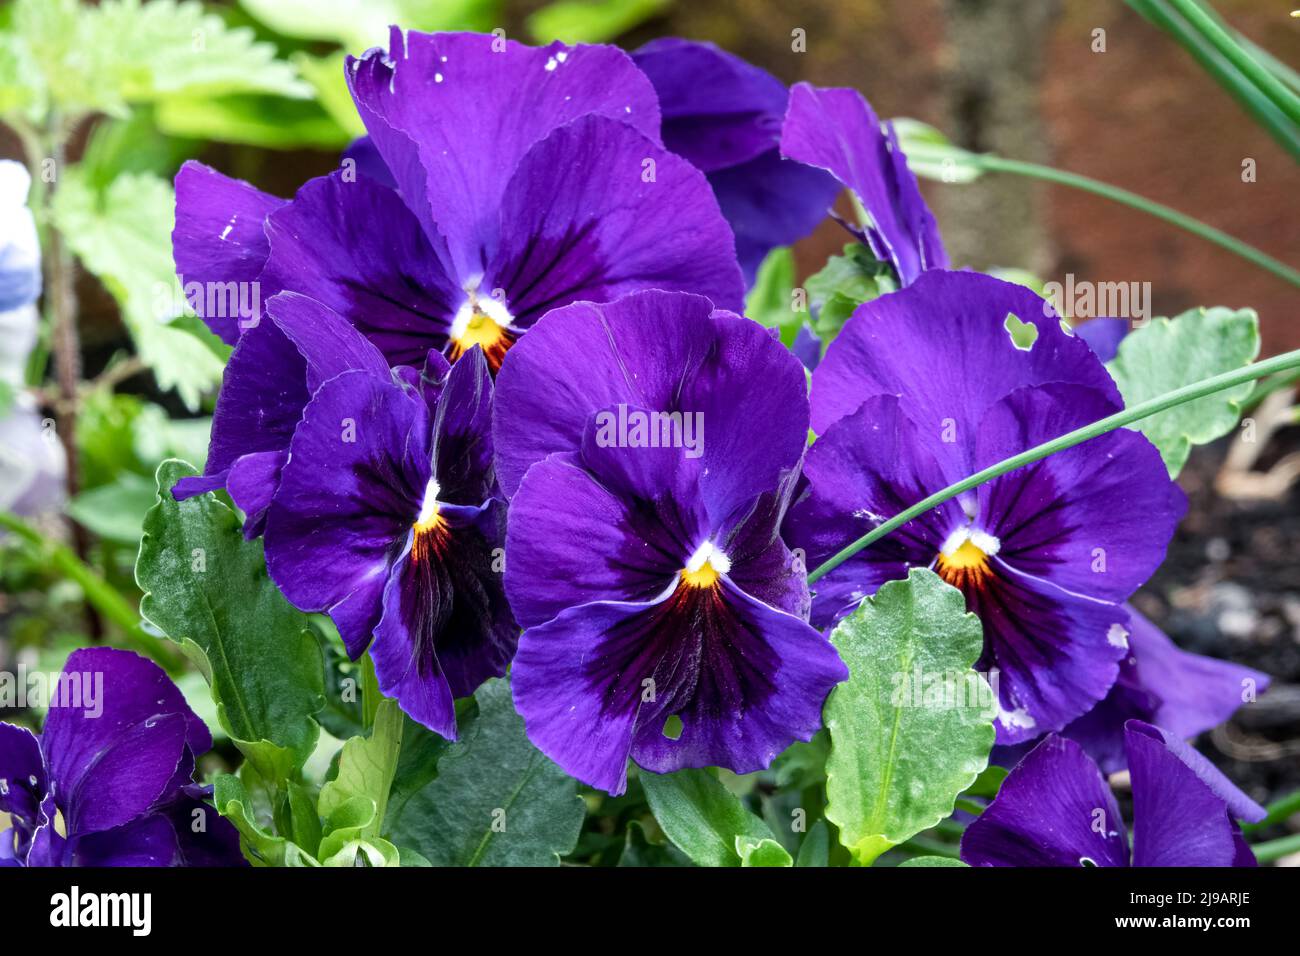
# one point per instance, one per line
(109, 782)
(725, 115)
(924, 387)
(1055, 809)
(386, 518)
(498, 181)
(645, 560)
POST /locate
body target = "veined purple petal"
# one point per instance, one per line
(219, 238)
(116, 738)
(22, 769)
(666, 352)
(597, 210)
(462, 433)
(1053, 809)
(356, 248)
(1093, 520)
(1181, 803)
(1160, 684)
(454, 113)
(865, 469)
(942, 345)
(352, 489)
(836, 130)
(717, 110)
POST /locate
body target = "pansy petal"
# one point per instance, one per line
(769, 202)
(23, 772)
(1181, 803)
(328, 343)
(1053, 809)
(462, 432)
(836, 130)
(1093, 520)
(942, 344)
(597, 210)
(746, 681)
(251, 482)
(1055, 654)
(573, 540)
(1161, 684)
(717, 110)
(355, 247)
(113, 750)
(446, 626)
(356, 478)
(664, 352)
(369, 162)
(219, 239)
(469, 106)
(865, 469)
(1103, 335)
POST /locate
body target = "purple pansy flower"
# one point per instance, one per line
(110, 780)
(836, 129)
(645, 560)
(725, 115)
(1103, 335)
(1054, 809)
(498, 181)
(924, 387)
(386, 517)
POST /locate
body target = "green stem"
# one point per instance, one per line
(1278, 811)
(1220, 238)
(370, 692)
(1232, 51)
(1276, 849)
(1179, 396)
(99, 593)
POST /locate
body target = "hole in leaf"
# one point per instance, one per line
(1023, 334)
(673, 727)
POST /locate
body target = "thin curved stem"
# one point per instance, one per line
(1179, 396)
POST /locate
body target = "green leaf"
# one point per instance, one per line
(638, 850)
(707, 822)
(242, 800)
(271, 122)
(902, 749)
(367, 766)
(115, 511)
(988, 782)
(1166, 354)
(123, 236)
(328, 76)
(932, 861)
(815, 850)
(591, 21)
(771, 301)
(360, 24)
(119, 52)
(206, 588)
(843, 284)
(496, 799)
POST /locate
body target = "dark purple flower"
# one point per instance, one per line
(386, 518)
(725, 115)
(645, 560)
(924, 387)
(1055, 809)
(110, 780)
(836, 129)
(498, 181)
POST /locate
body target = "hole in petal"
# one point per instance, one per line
(673, 727)
(1023, 334)
(1087, 861)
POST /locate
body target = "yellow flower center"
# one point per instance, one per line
(967, 565)
(485, 323)
(705, 566)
